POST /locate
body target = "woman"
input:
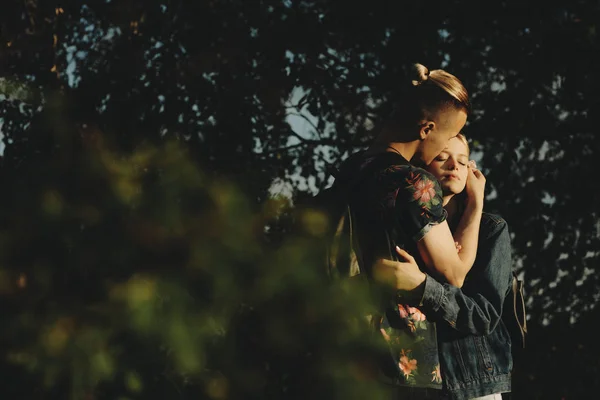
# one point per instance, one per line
(475, 367)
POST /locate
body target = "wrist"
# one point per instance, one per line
(421, 280)
(474, 203)
(413, 296)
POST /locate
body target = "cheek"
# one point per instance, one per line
(435, 169)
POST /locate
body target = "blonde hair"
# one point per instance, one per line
(461, 136)
(449, 83)
(429, 92)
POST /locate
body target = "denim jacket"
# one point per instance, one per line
(474, 344)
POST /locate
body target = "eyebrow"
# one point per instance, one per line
(458, 155)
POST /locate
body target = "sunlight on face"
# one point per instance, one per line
(448, 124)
(450, 167)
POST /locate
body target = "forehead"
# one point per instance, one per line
(457, 147)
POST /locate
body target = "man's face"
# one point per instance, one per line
(448, 124)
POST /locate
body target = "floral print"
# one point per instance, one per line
(412, 198)
(413, 317)
(423, 186)
(424, 191)
(407, 364)
(413, 343)
(436, 374)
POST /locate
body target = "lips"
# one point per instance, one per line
(452, 176)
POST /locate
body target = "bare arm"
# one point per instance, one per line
(477, 307)
(438, 247)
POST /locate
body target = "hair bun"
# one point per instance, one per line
(421, 73)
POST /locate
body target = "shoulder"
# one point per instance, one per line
(411, 174)
(350, 167)
(415, 180)
(492, 219)
(493, 223)
(419, 191)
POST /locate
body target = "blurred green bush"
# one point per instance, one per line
(133, 275)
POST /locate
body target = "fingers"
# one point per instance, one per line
(405, 255)
(400, 275)
(476, 172)
(458, 247)
(473, 168)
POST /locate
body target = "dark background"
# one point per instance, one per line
(142, 246)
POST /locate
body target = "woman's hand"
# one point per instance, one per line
(400, 275)
(458, 247)
(475, 188)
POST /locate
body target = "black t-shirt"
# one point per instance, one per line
(396, 203)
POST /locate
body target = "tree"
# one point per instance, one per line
(224, 78)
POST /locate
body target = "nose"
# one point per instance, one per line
(451, 164)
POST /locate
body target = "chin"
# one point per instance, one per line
(449, 190)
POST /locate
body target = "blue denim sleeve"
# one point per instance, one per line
(477, 307)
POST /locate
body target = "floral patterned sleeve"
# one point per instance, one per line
(412, 197)
(418, 201)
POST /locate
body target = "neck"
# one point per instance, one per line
(406, 149)
(452, 207)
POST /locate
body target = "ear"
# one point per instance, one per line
(425, 128)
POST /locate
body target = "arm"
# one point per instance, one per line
(477, 308)
(437, 247)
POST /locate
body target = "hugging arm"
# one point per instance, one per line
(477, 307)
(435, 242)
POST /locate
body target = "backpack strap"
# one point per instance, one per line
(519, 306)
